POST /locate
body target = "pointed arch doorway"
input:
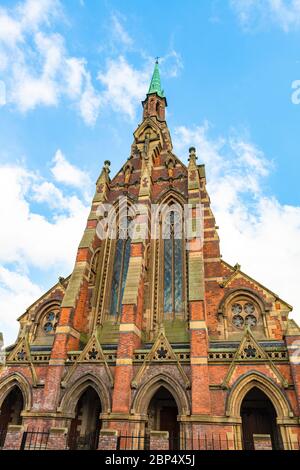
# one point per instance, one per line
(10, 412)
(258, 417)
(85, 426)
(162, 416)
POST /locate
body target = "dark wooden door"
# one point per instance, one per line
(259, 421)
(168, 422)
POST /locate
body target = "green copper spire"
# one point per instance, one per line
(155, 85)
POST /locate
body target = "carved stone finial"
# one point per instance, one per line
(107, 166)
(192, 152)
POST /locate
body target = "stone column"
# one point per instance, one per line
(196, 296)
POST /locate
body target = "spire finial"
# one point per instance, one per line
(155, 85)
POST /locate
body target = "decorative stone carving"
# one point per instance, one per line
(161, 351)
(21, 354)
(92, 353)
(250, 350)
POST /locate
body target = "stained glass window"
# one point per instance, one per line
(119, 275)
(173, 265)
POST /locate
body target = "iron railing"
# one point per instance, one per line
(35, 440)
(87, 441)
(199, 441)
(133, 442)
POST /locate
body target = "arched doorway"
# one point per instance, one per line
(10, 412)
(258, 417)
(85, 426)
(162, 416)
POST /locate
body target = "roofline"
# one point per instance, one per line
(43, 295)
(261, 285)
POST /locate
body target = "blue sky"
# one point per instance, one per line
(72, 75)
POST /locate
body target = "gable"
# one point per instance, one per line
(237, 274)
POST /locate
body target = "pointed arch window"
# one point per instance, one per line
(173, 263)
(120, 267)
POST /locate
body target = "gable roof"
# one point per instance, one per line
(62, 284)
(237, 270)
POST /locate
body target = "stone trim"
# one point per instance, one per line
(198, 325)
(199, 361)
(130, 328)
(68, 330)
(124, 361)
(133, 280)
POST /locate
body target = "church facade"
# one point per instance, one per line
(154, 341)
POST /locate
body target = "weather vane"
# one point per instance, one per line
(156, 59)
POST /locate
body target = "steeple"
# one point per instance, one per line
(155, 102)
(155, 85)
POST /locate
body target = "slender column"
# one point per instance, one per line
(198, 327)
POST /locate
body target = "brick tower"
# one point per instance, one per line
(153, 339)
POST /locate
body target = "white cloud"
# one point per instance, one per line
(125, 85)
(48, 193)
(28, 237)
(35, 12)
(40, 238)
(64, 172)
(2, 93)
(90, 102)
(118, 30)
(255, 13)
(17, 293)
(75, 72)
(256, 230)
(10, 30)
(171, 64)
(38, 69)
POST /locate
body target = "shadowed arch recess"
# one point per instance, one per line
(245, 383)
(148, 389)
(12, 381)
(74, 392)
